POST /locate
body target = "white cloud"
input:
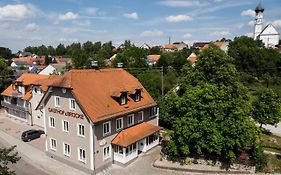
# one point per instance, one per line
(133, 15)
(17, 12)
(248, 12)
(220, 33)
(187, 35)
(249, 35)
(251, 23)
(277, 23)
(68, 30)
(32, 27)
(184, 3)
(82, 23)
(90, 10)
(68, 16)
(178, 18)
(152, 33)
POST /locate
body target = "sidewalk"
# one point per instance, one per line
(35, 155)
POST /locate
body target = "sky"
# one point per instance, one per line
(50, 22)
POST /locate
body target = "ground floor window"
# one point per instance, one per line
(131, 148)
(118, 149)
(151, 139)
(106, 152)
(66, 149)
(53, 144)
(81, 155)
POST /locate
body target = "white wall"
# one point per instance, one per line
(48, 70)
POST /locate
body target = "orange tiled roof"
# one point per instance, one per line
(154, 57)
(170, 46)
(94, 91)
(133, 134)
(26, 79)
(44, 83)
(192, 58)
(218, 43)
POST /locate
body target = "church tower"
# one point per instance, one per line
(258, 20)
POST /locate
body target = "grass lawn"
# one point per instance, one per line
(272, 143)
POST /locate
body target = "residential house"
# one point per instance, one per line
(180, 45)
(221, 44)
(199, 45)
(19, 64)
(96, 118)
(17, 98)
(152, 59)
(168, 48)
(192, 58)
(53, 69)
(145, 46)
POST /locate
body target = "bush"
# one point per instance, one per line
(260, 159)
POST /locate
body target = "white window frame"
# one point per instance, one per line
(53, 147)
(70, 104)
(64, 152)
(50, 122)
(106, 157)
(78, 130)
(63, 128)
(109, 124)
(83, 158)
(137, 95)
(142, 115)
(117, 129)
(133, 120)
(56, 104)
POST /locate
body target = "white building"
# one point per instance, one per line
(268, 35)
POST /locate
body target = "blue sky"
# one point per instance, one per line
(50, 22)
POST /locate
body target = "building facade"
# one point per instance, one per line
(94, 118)
(19, 102)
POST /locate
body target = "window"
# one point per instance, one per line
(81, 155)
(65, 125)
(35, 90)
(130, 119)
(81, 130)
(66, 149)
(53, 144)
(152, 138)
(57, 101)
(52, 122)
(137, 97)
(72, 104)
(131, 148)
(153, 111)
(106, 152)
(140, 116)
(118, 149)
(119, 123)
(106, 128)
(123, 100)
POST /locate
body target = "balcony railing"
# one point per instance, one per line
(14, 106)
(17, 94)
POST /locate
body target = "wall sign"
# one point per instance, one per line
(68, 114)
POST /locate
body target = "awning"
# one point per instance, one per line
(133, 134)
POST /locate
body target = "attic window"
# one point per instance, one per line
(123, 99)
(138, 95)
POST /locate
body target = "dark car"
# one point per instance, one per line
(31, 134)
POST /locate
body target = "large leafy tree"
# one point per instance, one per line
(267, 108)
(8, 156)
(210, 113)
(5, 75)
(5, 52)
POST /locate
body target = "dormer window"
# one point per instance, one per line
(138, 95)
(123, 99)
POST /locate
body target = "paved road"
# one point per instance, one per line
(23, 167)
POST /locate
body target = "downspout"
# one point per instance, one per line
(31, 120)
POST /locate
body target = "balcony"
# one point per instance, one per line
(14, 106)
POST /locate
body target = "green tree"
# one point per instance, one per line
(6, 75)
(5, 53)
(61, 50)
(210, 113)
(8, 156)
(267, 108)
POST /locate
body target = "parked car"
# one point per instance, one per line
(31, 134)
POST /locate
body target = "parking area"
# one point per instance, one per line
(15, 128)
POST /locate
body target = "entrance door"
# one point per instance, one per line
(141, 145)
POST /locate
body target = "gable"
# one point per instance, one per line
(269, 30)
